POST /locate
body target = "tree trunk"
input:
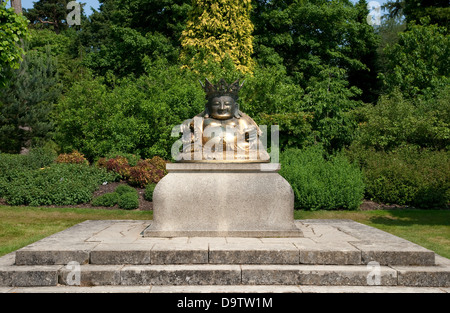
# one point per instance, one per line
(17, 5)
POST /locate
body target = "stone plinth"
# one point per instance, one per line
(223, 199)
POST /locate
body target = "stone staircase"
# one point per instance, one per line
(332, 253)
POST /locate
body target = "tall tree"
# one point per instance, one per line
(26, 102)
(438, 11)
(49, 13)
(125, 37)
(420, 62)
(13, 28)
(313, 35)
(17, 5)
(216, 30)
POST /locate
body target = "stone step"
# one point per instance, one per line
(295, 251)
(331, 253)
(223, 274)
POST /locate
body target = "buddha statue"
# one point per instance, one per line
(222, 133)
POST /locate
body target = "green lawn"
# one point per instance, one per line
(20, 226)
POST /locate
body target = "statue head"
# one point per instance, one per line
(222, 100)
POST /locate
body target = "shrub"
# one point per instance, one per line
(131, 158)
(108, 199)
(37, 158)
(141, 174)
(11, 164)
(320, 181)
(40, 157)
(122, 189)
(75, 158)
(58, 184)
(129, 201)
(119, 165)
(136, 116)
(144, 173)
(148, 195)
(126, 197)
(14, 165)
(407, 175)
(395, 121)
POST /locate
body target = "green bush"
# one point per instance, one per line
(37, 158)
(125, 196)
(129, 201)
(57, 184)
(122, 189)
(13, 166)
(40, 157)
(407, 175)
(320, 181)
(108, 199)
(136, 116)
(395, 121)
(10, 164)
(148, 195)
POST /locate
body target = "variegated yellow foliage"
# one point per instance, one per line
(217, 28)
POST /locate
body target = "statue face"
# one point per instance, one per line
(222, 107)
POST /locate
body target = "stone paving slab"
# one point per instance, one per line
(392, 253)
(119, 253)
(253, 253)
(180, 253)
(330, 242)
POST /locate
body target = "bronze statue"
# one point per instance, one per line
(222, 133)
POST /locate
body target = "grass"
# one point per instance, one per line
(20, 226)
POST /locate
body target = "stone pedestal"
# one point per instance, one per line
(223, 199)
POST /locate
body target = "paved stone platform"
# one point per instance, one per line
(333, 256)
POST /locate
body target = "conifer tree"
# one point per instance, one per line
(217, 30)
(27, 101)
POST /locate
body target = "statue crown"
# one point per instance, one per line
(221, 88)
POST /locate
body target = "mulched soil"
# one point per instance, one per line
(368, 205)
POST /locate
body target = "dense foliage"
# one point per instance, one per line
(321, 182)
(114, 88)
(13, 28)
(217, 29)
(124, 196)
(37, 180)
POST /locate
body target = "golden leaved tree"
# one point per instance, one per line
(217, 30)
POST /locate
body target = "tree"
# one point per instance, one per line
(419, 62)
(125, 37)
(49, 13)
(13, 28)
(216, 30)
(311, 35)
(438, 11)
(26, 103)
(17, 5)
